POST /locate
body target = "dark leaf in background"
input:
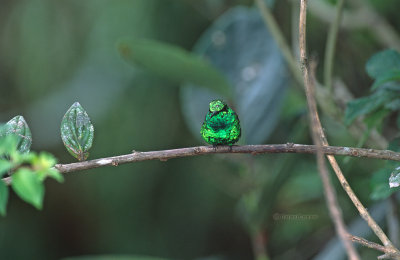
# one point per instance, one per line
(174, 63)
(365, 105)
(255, 69)
(384, 181)
(374, 120)
(392, 75)
(379, 184)
(18, 127)
(27, 185)
(384, 67)
(77, 132)
(382, 63)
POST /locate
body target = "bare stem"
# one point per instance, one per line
(317, 134)
(165, 155)
(258, 241)
(330, 46)
(273, 27)
(373, 245)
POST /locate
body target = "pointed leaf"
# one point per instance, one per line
(77, 132)
(3, 198)
(173, 63)
(18, 127)
(28, 187)
(53, 173)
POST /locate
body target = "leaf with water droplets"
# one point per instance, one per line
(77, 132)
(18, 127)
(394, 179)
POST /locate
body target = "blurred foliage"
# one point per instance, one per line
(53, 53)
(384, 68)
(27, 169)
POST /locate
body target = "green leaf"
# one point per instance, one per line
(28, 187)
(43, 161)
(77, 132)
(5, 166)
(174, 63)
(18, 127)
(393, 105)
(3, 198)
(53, 173)
(365, 105)
(8, 144)
(386, 77)
(374, 120)
(43, 164)
(379, 184)
(383, 62)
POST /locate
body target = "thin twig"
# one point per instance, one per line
(330, 46)
(312, 106)
(258, 243)
(374, 245)
(316, 130)
(164, 155)
(324, 98)
(280, 39)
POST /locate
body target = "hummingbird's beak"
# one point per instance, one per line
(213, 114)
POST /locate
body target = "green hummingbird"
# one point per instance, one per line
(221, 125)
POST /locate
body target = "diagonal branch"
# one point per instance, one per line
(317, 134)
(320, 138)
(373, 245)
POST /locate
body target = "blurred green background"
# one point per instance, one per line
(53, 53)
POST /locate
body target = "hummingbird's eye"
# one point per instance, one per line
(217, 105)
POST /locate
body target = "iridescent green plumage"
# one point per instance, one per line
(221, 125)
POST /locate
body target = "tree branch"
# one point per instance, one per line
(323, 96)
(318, 133)
(319, 140)
(164, 155)
(373, 245)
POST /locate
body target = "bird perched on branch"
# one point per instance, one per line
(221, 125)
